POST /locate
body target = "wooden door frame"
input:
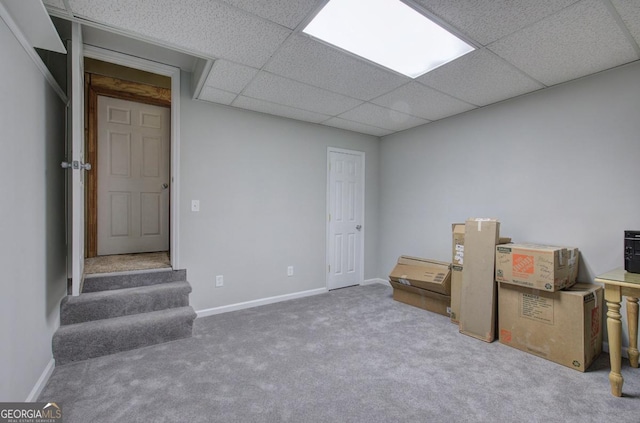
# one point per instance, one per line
(96, 85)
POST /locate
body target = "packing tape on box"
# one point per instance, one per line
(403, 280)
(480, 220)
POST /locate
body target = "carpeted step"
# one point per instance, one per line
(102, 337)
(95, 283)
(121, 302)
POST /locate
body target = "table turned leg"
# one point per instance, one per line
(614, 329)
(632, 319)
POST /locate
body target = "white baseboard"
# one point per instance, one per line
(624, 351)
(255, 303)
(376, 280)
(42, 381)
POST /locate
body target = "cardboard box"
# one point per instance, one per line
(478, 301)
(422, 273)
(457, 260)
(537, 266)
(422, 298)
(456, 293)
(563, 326)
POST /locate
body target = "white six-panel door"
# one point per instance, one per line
(345, 198)
(133, 177)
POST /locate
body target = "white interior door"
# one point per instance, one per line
(133, 177)
(77, 156)
(346, 218)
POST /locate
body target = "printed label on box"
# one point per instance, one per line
(536, 308)
(523, 265)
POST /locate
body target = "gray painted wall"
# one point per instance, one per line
(560, 166)
(261, 181)
(32, 224)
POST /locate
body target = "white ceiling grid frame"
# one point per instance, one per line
(306, 60)
(418, 100)
(211, 28)
(278, 110)
(488, 21)
(356, 127)
(229, 76)
(561, 47)
(287, 13)
(480, 78)
(276, 89)
(373, 115)
(216, 95)
(629, 11)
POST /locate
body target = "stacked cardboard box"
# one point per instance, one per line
(563, 326)
(543, 267)
(422, 283)
(457, 261)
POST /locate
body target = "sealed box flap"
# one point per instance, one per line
(418, 261)
(420, 291)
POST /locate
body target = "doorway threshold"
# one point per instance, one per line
(127, 262)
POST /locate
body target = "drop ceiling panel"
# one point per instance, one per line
(629, 11)
(578, 41)
(276, 89)
(278, 110)
(207, 27)
(55, 3)
(314, 63)
(480, 78)
(381, 117)
(357, 127)
(284, 12)
(417, 100)
(488, 21)
(215, 95)
(229, 76)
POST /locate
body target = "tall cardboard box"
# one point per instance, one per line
(563, 326)
(543, 267)
(478, 301)
(457, 261)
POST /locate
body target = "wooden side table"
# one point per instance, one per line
(619, 283)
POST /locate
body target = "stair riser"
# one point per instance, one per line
(94, 339)
(108, 308)
(131, 280)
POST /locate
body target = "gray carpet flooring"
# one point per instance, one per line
(352, 355)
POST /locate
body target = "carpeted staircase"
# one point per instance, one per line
(121, 312)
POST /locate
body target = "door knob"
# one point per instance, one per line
(165, 186)
(358, 227)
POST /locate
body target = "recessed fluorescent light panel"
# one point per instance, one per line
(387, 32)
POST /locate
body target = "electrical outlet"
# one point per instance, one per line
(195, 205)
(290, 271)
(219, 281)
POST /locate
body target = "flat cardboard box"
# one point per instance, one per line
(421, 298)
(543, 267)
(564, 326)
(478, 301)
(423, 273)
(457, 260)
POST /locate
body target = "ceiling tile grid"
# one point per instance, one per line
(215, 95)
(214, 29)
(629, 11)
(578, 41)
(229, 76)
(381, 117)
(480, 78)
(418, 100)
(356, 127)
(306, 60)
(278, 109)
(288, 13)
(488, 21)
(276, 89)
